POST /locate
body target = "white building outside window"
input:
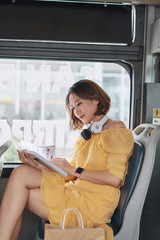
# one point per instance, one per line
(32, 99)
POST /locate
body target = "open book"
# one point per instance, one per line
(41, 155)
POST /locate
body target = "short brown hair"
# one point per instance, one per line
(87, 89)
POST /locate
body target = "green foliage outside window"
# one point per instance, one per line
(11, 155)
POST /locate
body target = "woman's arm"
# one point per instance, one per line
(101, 177)
(98, 177)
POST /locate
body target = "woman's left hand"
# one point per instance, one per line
(63, 164)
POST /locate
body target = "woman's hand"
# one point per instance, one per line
(26, 159)
(63, 164)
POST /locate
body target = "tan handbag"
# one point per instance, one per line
(55, 232)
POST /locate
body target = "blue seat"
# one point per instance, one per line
(134, 168)
(41, 225)
(126, 219)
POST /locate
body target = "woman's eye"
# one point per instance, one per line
(78, 104)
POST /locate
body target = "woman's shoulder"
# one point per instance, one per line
(117, 124)
(113, 124)
(116, 136)
(116, 129)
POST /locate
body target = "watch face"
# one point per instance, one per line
(79, 170)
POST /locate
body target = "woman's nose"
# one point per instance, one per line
(77, 111)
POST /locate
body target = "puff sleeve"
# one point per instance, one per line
(119, 146)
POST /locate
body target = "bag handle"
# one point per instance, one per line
(64, 214)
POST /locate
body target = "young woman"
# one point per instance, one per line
(95, 173)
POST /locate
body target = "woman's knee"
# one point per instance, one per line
(21, 171)
(20, 174)
(26, 175)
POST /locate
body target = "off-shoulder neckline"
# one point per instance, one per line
(107, 129)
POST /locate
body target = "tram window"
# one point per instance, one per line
(32, 98)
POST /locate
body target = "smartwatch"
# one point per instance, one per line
(78, 171)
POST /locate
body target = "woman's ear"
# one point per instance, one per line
(96, 98)
(96, 102)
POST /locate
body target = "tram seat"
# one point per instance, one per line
(134, 168)
(126, 219)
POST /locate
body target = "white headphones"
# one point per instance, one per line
(95, 127)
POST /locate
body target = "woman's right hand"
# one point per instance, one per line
(26, 159)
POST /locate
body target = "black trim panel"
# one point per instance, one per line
(61, 51)
(68, 22)
(7, 169)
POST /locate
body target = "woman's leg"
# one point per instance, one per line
(18, 194)
(34, 204)
(17, 229)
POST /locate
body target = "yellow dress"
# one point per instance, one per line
(110, 149)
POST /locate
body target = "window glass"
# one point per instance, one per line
(32, 98)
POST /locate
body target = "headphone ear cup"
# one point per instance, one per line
(96, 127)
(86, 134)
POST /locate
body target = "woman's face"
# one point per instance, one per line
(84, 109)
